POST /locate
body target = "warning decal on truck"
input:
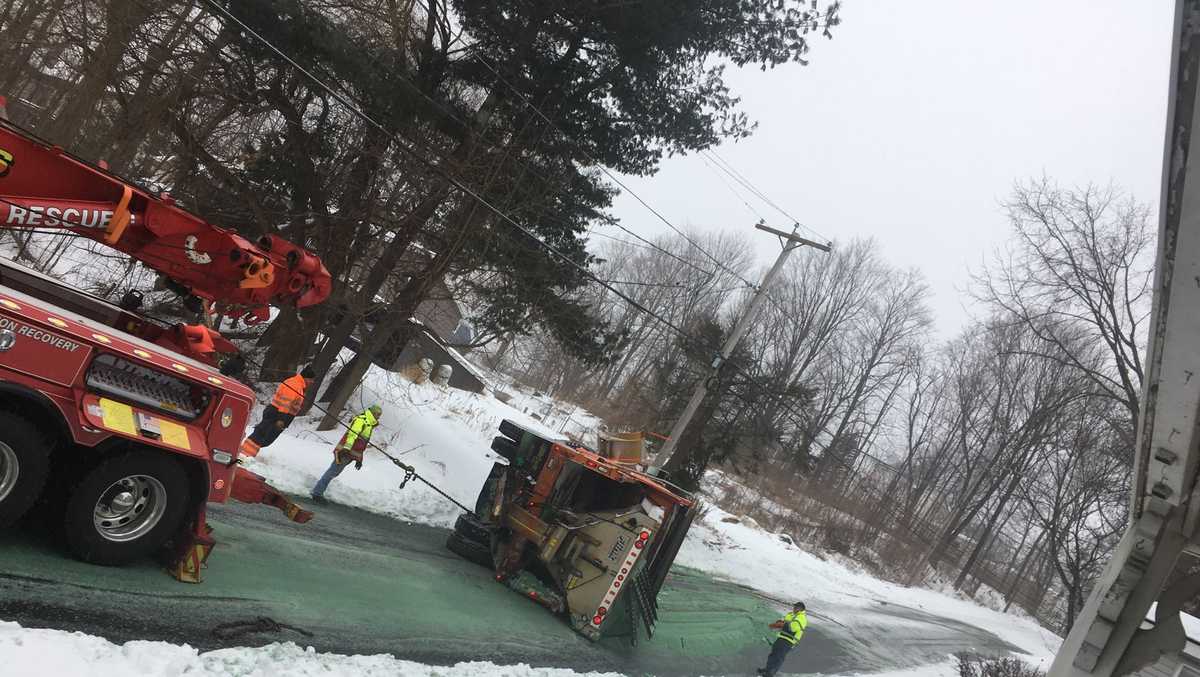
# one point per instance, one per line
(117, 416)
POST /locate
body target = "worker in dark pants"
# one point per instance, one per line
(349, 448)
(278, 415)
(791, 629)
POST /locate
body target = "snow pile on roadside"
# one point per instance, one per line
(947, 668)
(56, 653)
(28, 651)
(445, 434)
(724, 546)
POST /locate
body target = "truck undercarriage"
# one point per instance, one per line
(583, 534)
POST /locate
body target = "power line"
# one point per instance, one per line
(344, 98)
(525, 99)
(358, 112)
(732, 171)
(608, 172)
(737, 175)
(652, 245)
(725, 182)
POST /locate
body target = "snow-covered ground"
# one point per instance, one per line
(445, 434)
(744, 553)
(54, 653)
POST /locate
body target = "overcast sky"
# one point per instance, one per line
(912, 124)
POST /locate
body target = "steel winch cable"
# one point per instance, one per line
(410, 473)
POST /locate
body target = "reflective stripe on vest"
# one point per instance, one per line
(250, 448)
(793, 627)
(289, 396)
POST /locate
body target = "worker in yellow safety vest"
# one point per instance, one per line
(349, 448)
(278, 415)
(791, 628)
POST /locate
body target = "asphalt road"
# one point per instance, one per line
(357, 582)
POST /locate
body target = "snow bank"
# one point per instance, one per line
(947, 668)
(444, 433)
(54, 653)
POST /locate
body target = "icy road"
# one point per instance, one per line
(362, 583)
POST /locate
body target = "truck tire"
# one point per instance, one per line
(512, 431)
(126, 508)
(487, 494)
(472, 551)
(505, 447)
(472, 528)
(24, 466)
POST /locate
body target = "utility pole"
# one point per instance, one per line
(791, 242)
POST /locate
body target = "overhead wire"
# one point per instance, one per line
(558, 185)
(651, 245)
(611, 175)
(732, 171)
(736, 194)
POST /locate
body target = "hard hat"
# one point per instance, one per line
(376, 409)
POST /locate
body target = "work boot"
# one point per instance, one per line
(319, 500)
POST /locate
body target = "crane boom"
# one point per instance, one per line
(44, 187)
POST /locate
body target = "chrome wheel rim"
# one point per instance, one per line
(129, 508)
(10, 470)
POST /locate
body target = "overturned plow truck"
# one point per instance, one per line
(586, 534)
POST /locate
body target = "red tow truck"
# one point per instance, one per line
(123, 427)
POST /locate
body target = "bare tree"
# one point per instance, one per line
(1078, 268)
(1077, 502)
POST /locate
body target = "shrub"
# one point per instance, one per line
(974, 665)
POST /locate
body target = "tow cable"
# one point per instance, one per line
(410, 473)
(262, 624)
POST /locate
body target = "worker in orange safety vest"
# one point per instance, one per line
(278, 415)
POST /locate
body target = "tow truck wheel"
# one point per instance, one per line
(24, 464)
(126, 508)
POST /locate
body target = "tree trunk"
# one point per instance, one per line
(1017, 579)
(982, 540)
(286, 341)
(403, 237)
(121, 20)
(395, 327)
